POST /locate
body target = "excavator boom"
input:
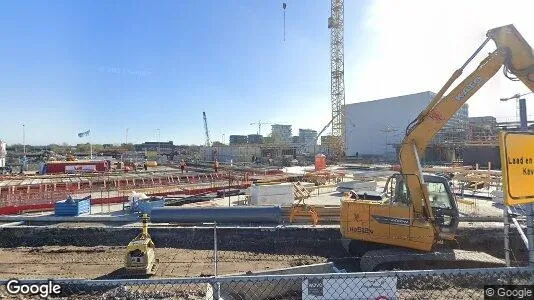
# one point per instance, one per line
(517, 57)
(417, 210)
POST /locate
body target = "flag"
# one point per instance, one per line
(82, 134)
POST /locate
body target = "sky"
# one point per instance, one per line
(138, 66)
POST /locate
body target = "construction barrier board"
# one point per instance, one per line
(517, 160)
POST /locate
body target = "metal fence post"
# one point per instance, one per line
(530, 207)
(215, 259)
(506, 235)
(215, 248)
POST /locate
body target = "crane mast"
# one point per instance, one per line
(206, 131)
(337, 74)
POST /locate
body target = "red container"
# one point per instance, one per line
(79, 166)
(320, 162)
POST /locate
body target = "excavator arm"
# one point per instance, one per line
(512, 52)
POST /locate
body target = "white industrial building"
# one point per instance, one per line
(374, 127)
(3, 154)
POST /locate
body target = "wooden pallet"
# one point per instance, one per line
(300, 191)
(301, 208)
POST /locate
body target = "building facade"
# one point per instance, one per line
(307, 136)
(455, 130)
(238, 139)
(482, 130)
(155, 146)
(232, 154)
(281, 133)
(255, 139)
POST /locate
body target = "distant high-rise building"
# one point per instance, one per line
(307, 136)
(238, 139)
(255, 139)
(155, 146)
(295, 139)
(281, 133)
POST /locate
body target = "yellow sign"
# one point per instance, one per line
(517, 161)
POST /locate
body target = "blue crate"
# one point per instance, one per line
(146, 205)
(72, 207)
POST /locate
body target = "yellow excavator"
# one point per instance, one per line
(418, 211)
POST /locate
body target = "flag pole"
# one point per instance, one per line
(91, 149)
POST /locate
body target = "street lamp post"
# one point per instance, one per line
(24, 139)
(530, 207)
(158, 141)
(386, 131)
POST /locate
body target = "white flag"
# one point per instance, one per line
(82, 134)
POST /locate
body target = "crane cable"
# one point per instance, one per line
(284, 5)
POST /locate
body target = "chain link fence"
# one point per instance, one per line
(435, 284)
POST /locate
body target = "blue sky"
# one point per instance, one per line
(70, 66)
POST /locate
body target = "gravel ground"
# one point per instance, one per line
(95, 262)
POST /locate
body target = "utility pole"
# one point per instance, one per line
(386, 131)
(157, 150)
(127, 135)
(530, 207)
(24, 139)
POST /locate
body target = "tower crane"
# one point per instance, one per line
(336, 24)
(206, 131)
(337, 74)
(259, 123)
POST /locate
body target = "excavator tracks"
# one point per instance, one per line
(368, 257)
(407, 259)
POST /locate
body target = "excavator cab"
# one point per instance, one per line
(392, 219)
(441, 199)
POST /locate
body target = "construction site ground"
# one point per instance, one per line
(49, 251)
(105, 261)
(326, 197)
(95, 248)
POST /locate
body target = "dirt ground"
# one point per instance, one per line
(95, 262)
